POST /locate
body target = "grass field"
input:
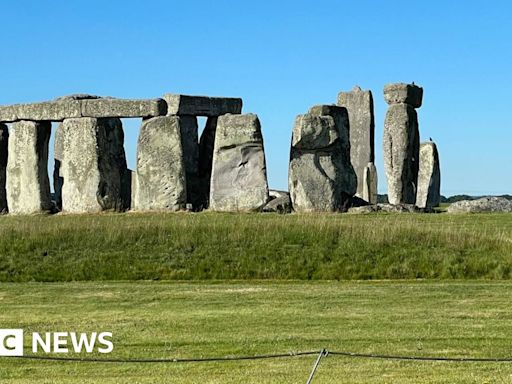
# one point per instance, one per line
(178, 319)
(255, 246)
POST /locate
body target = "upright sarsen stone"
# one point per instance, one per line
(370, 184)
(4, 138)
(429, 177)
(93, 164)
(320, 176)
(58, 153)
(161, 170)
(239, 174)
(206, 148)
(190, 145)
(359, 105)
(401, 143)
(27, 184)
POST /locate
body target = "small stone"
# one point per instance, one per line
(239, 173)
(161, 171)
(280, 202)
(27, 183)
(403, 93)
(201, 105)
(429, 177)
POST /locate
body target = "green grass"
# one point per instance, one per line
(178, 319)
(255, 246)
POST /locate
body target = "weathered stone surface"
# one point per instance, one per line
(202, 105)
(320, 175)
(161, 179)
(206, 148)
(389, 208)
(370, 184)
(239, 173)
(365, 209)
(4, 138)
(280, 202)
(58, 152)
(429, 177)
(190, 144)
(403, 93)
(27, 184)
(107, 107)
(484, 204)
(401, 153)
(359, 105)
(93, 165)
(76, 106)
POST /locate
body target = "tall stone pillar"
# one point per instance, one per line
(359, 105)
(429, 177)
(190, 144)
(321, 177)
(4, 138)
(370, 184)
(401, 141)
(206, 148)
(239, 173)
(161, 170)
(58, 158)
(93, 164)
(27, 183)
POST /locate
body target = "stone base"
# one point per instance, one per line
(27, 184)
(93, 165)
(161, 180)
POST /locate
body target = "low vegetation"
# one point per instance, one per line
(255, 246)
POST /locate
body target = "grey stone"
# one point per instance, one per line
(429, 177)
(484, 204)
(201, 105)
(27, 183)
(4, 139)
(363, 210)
(359, 105)
(399, 93)
(161, 171)
(190, 144)
(206, 148)
(239, 173)
(401, 153)
(280, 202)
(45, 111)
(370, 184)
(107, 107)
(398, 208)
(320, 175)
(93, 164)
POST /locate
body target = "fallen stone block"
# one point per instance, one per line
(429, 177)
(93, 164)
(484, 204)
(27, 183)
(4, 139)
(161, 170)
(359, 105)
(202, 105)
(399, 93)
(239, 173)
(280, 202)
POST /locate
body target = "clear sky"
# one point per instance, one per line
(282, 57)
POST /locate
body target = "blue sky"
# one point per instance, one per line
(282, 57)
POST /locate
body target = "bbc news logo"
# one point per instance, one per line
(12, 341)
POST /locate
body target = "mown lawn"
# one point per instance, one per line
(255, 246)
(205, 319)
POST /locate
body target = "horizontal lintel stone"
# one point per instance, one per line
(202, 105)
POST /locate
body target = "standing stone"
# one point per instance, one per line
(27, 184)
(359, 105)
(161, 170)
(93, 164)
(370, 184)
(401, 142)
(190, 144)
(239, 173)
(206, 148)
(4, 138)
(321, 177)
(58, 159)
(429, 177)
